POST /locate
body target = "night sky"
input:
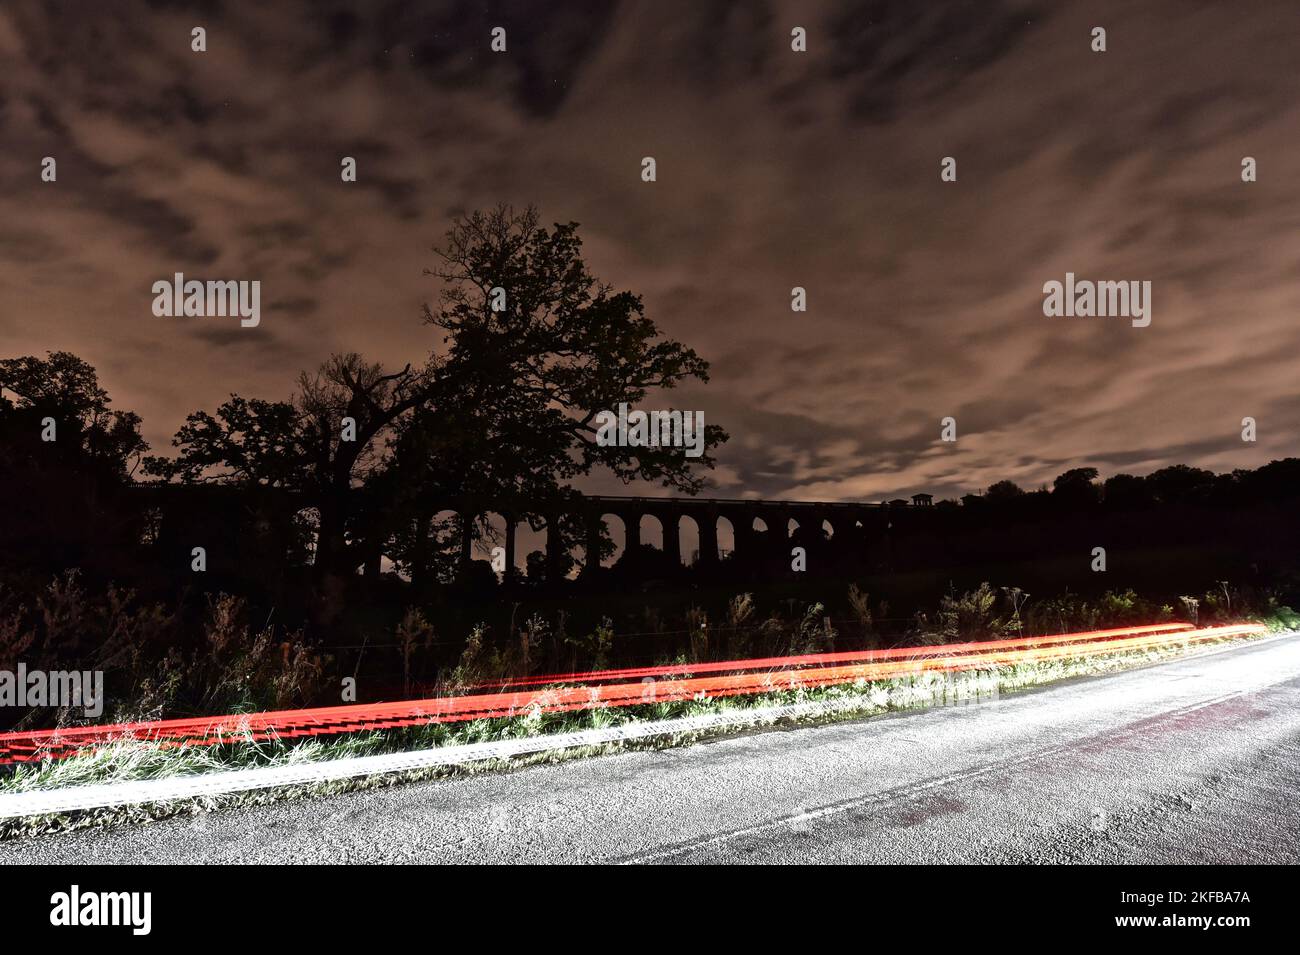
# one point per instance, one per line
(775, 169)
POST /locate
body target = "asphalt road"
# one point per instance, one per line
(1192, 761)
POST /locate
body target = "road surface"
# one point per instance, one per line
(1196, 760)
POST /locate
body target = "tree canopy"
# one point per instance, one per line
(532, 347)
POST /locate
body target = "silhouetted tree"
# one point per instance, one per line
(536, 374)
(90, 435)
(1275, 480)
(323, 444)
(504, 411)
(1126, 491)
(1076, 488)
(1003, 491)
(59, 495)
(1179, 484)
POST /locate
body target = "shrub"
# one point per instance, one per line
(971, 616)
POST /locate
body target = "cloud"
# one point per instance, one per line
(775, 169)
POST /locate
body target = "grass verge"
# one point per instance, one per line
(134, 760)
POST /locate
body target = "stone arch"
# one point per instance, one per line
(443, 534)
(726, 531)
(688, 539)
(497, 533)
(559, 557)
(618, 535)
(655, 537)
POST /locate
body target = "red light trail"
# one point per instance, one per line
(768, 663)
(679, 682)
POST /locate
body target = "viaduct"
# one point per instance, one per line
(171, 507)
(706, 513)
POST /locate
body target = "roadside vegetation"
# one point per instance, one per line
(158, 664)
(134, 760)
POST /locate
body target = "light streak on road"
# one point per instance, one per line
(635, 686)
(771, 663)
